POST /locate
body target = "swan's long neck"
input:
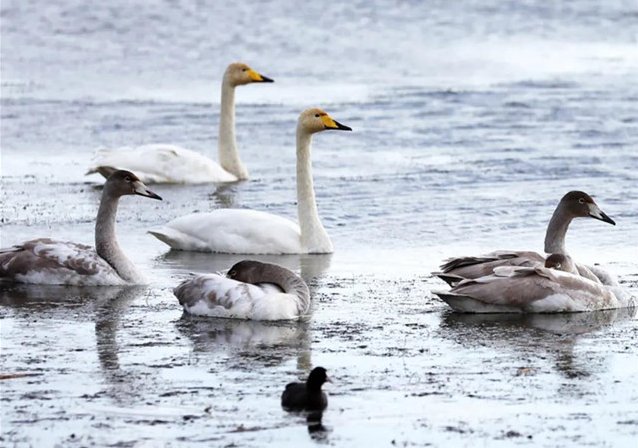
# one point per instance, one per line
(288, 281)
(556, 231)
(227, 145)
(314, 238)
(106, 244)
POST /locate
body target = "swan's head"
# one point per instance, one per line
(238, 74)
(581, 205)
(560, 262)
(317, 120)
(123, 182)
(317, 377)
(246, 271)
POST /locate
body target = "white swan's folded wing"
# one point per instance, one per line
(46, 261)
(160, 163)
(232, 231)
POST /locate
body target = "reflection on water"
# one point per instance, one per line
(104, 305)
(309, 266)
(519, 334)
(269, 343)
(107, 320)
(317, 431)
(559, 323)
(225, 195)
(17, 297)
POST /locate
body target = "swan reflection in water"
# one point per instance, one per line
(247, 341)
(529, 334)
(103, 305)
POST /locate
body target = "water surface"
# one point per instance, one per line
(471, 119)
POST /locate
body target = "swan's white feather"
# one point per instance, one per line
(162, 163)
(214, 295)
(49, 262)
(237, 231)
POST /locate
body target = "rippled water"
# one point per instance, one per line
(471, 119)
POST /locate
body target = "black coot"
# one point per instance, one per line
(306, 396)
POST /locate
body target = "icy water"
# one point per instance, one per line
(471, 119)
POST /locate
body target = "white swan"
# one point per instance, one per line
(46, 261)
(251, 290)
(162, 163)
(575, 204)
(240, 231)
(556, 287)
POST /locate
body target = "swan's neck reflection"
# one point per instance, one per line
(109, 308)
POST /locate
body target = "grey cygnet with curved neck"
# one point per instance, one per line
(255, 272)
(120, 183)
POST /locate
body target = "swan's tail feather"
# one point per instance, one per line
(105, 171)
(166, 236)
(460, 262)
(178, 240)
(450, 279)
(466, 304)
(452, 299)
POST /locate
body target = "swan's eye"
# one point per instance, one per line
(244, 69)
(581, 201)
(127, 178)
(317, 115)
(232, 274)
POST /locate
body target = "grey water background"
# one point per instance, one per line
(471, 119)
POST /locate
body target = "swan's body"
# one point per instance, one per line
(252, 290)
(533, 290)
(573, 205)
(556, 287)
(47, 261)
(253, 232)
(162, 163)
(232, 231)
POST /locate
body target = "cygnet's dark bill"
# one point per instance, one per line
(597, 213)
(141, 189)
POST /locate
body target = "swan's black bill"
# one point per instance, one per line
(265, 78)
(148, 194)
(341, 127)
(603, 217)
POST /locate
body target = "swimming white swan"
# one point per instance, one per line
(240, 231)
(575, 204)
(46, 261)
(162, 163)
(555, 287)
(250, 290)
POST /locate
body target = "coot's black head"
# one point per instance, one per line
(317, 377)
